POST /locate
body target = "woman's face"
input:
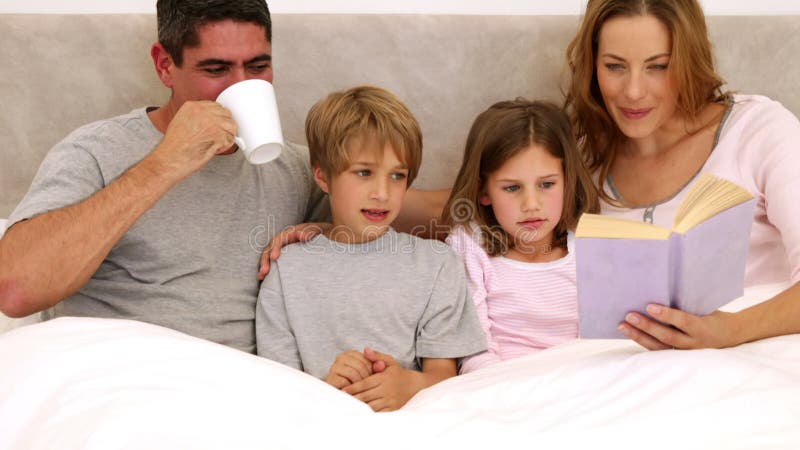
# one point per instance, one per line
(633, 54)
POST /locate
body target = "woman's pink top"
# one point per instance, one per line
(757, 147)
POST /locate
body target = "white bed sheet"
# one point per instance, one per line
(80, 383)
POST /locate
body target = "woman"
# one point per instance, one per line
(647, 108)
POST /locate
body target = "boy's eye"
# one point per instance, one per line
(512, 188)
(399, 176)
(363, 172)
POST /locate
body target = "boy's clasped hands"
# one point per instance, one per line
(374, 378)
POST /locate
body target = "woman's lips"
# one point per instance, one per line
(635, 114)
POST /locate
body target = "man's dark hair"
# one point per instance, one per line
(179, 20)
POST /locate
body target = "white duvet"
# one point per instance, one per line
(79, 383)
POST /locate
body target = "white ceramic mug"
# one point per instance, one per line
(255, 111)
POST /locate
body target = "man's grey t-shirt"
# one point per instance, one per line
(398, 294)
(191, 261)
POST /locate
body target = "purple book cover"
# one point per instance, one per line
(709, 269)
(616, 276)
(697, 272)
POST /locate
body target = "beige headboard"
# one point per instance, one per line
(61, 71)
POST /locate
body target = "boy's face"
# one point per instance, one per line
(366, 197)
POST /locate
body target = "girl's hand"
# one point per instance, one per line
(690, 331)
(295, 233)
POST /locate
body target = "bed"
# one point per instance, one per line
(81, 383)
(85, 383)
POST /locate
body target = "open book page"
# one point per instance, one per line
(595, 225)
(708, 197)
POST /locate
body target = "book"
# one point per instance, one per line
(697, 266)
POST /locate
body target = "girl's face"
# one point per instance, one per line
(633, 54)
(527, 196)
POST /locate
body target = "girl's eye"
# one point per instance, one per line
(547, 184)
(399, 176)
(363, 173)
(512, 188)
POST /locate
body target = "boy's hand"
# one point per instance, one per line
(380, 361)
(391, 386)
(296, 233)
(388, 390)
(348, 368)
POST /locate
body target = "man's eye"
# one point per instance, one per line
(216, 70)
(258, 68)
(512, 188)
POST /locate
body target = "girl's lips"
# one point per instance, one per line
(375, 215)
(635, 114)
(532, 223)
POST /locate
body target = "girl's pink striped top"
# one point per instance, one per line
(523, 307)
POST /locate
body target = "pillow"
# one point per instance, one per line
(3, 226)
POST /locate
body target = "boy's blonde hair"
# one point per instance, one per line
(359, 116)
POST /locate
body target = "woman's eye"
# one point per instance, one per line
(512, 188)
(614, 67)
(659, 67)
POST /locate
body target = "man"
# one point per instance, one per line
(154, 215)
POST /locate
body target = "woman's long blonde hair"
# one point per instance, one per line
(498, 134)
(691, 68)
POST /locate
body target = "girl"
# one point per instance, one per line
(521, 189)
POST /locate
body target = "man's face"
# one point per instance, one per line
(229, 52)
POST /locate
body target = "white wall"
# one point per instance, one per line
(712, 7)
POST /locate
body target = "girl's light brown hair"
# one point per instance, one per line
(691, 67)
(363, 117)
(498, 134)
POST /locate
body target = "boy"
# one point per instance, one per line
(361, 283)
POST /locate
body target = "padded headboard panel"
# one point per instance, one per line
(61, 71)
